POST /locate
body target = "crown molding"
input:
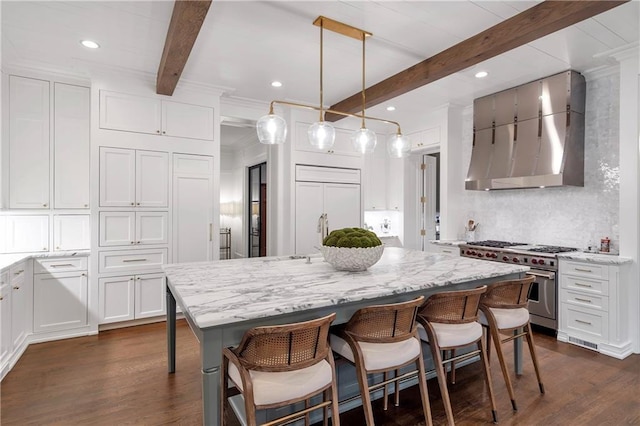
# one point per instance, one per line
(602, 71)
(628, 51)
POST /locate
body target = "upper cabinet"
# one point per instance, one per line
(28, 143)
(341, 146)
(71, 146)
(131, 113)
(133, 178)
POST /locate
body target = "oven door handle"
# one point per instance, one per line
(549, 276)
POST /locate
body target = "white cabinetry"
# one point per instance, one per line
(444, 249)
(131, 297)
(131, 113)
(20, 304)
(28, 143)
(338, 202)
(71, 146)
(133, 228)
(341, 146)
(71, 232)
(27, 233)
(593, 306)
(133, 178)
(60, 298)
(425, 139)
(6, 342)
(192, 208)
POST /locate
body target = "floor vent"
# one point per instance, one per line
(584, 343)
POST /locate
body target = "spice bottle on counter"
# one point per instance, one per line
(605, 244)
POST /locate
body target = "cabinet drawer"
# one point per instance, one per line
(444, 249)
(584, 285)
(62, 264)
(585, 300)
(131, 260)
(589, 270)
(17, 273)
(327, 174)
(583, 322)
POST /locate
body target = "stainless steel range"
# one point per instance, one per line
(543, 262)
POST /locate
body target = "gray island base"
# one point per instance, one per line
(221, 300)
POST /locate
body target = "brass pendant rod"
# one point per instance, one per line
(321, 70)
(363, 82)
(333, 111)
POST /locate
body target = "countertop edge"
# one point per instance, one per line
(607, 259)
(10, 259)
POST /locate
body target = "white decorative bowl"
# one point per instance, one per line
(352, 259)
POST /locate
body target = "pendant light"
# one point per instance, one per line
(272, 129)
(364, 140)
(321, 134)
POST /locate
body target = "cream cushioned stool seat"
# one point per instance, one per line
(504, 311)
(278, 366)
(381, 339)
(448, 321)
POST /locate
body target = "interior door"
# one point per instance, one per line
(342, 205)
(428, 200)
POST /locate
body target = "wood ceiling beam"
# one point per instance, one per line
(541, 20)
(186, 21)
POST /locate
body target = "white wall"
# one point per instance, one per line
(568, 216)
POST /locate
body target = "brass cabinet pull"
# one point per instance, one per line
(134, 260)
(583, 270)
(16, 287)
(583, 322)
(582, 300)
(62, 265)
(583, 285)
(18, 272)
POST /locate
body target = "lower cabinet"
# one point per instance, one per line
(131, 297)
(6, 343)
(452, 250)
(60, 288)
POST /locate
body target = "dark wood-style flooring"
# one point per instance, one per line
(119, 377)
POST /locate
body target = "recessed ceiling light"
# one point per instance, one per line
(481, 74)
(276, 84)
(391, 108)
(90, 44)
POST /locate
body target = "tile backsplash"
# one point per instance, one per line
(567, 216)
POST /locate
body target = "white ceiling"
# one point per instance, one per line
(244, 45)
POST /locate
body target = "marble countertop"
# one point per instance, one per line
(7, 260)
(222, 292)
(610, 259)
(447, 242)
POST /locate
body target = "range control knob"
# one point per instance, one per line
(534, 261)
(505, 258)
(473, 253)
(468, 251)
(541, 262)
(488, 255)
(479, 254)
(493, 255)
(516, 260)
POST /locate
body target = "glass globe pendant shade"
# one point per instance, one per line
(398, 146)
(321, 135)
(364, 140)
(272, 129)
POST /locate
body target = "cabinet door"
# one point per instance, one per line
(192, 209)
(187, 121)
(19, 309)
(116, 299)
(151, 227)
(27, 234)
(375, 190)
(6, 342)
(117, 177)
(394, 184)
(59, 301)
(117, 228)
(71, 232)
(71, 146)
(119, 111)
(28, 143)
(150, 295)
(152, 179)
(309, 207)
(342, 205)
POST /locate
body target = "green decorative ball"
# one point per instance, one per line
(352, 237)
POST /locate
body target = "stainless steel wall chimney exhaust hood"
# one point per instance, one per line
(530, 136)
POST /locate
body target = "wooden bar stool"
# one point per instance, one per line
(448, 321)
(379, 339)
(503, 309)
(282, 365)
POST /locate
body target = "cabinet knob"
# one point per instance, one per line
(86, 205)
(133, 204)
(164, 133)
(1, 297)
(158, 131)
(16, 287)
(57, 248)
(44, 205)
(83, 274)
(44, 248)
(131, 279)
(138, 278)
(137, 204)
(137, 242)
(133, 242)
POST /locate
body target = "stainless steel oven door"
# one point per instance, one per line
(543, 299)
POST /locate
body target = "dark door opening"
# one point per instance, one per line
(257, 213)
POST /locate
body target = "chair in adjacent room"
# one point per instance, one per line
(503, 310)
(381, 339)
(448, 321)
(277, 366)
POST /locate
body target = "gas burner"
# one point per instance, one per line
(551, 249)
(494, 244)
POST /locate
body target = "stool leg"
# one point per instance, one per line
(326, 396)
(307, 404)
(397, 389)
(534, 357)
(223, 390)
(442, 379)
(503, 366)
(385, 403)
(487, 335)
(453, 367)
(335, 407)
(424, 393)
(487, 377)
(361, 373)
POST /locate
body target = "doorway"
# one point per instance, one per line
(430, 198)
(257, 210)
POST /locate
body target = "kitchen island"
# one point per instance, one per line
(221, 300)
